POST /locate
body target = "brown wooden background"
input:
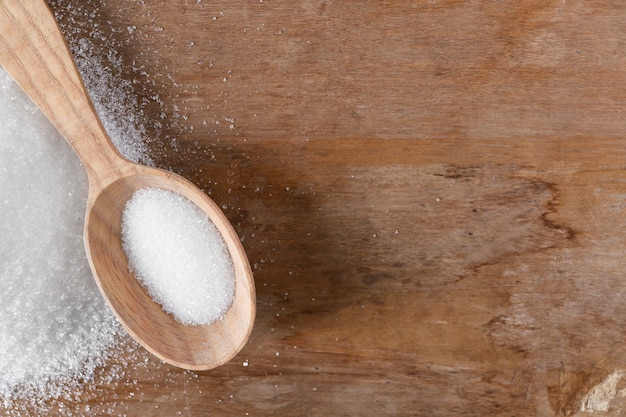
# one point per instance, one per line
(430, 193)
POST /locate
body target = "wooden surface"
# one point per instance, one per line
(430, 193)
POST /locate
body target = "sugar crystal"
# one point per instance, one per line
(54, 324)
(178, 255)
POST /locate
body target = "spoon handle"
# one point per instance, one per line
(34, 52)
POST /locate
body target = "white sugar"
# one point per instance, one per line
(56, 332)
(179, 256)
(54, 326)
(114, 100)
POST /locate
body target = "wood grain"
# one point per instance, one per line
(430, 193)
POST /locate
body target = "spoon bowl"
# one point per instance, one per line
(34, 52)
(191, 347)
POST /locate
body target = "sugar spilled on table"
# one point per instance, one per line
(57, 332)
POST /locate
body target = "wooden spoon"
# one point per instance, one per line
(34, 52)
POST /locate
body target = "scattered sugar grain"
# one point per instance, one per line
(114, 97)
(178, 255)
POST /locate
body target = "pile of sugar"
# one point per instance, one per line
(56, 332)
(55, 329)
(178, 255)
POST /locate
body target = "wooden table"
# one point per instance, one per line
(430, 193)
